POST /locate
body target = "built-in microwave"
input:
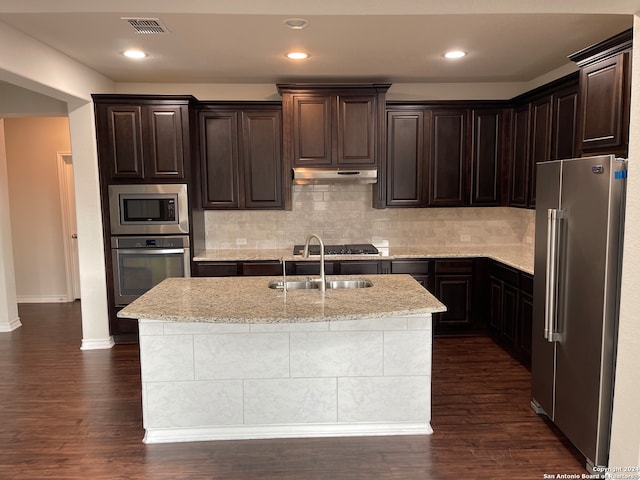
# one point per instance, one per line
(159, 209)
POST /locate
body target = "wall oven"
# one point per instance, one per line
(149, 209)
(140, 263)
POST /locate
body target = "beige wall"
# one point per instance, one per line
(34, 196)
(625, 443)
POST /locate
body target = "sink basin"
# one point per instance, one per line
(353, 283)
(294, 284)
(313, 284)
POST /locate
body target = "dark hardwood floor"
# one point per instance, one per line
(72, 414)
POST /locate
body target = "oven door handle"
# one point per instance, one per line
(150, 251)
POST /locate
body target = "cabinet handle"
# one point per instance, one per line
(554, 219)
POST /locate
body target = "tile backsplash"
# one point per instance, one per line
(343, 214)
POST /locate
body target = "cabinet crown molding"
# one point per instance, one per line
(607, 48)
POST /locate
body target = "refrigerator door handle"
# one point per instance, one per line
(554, 217)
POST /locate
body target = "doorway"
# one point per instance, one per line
(69, 226)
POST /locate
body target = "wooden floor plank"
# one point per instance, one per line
(72, 414)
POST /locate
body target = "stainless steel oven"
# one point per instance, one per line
(140, 263)
(149, 209)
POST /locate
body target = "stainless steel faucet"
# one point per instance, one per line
(305, 254)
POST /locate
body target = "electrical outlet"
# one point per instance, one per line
(465, 238)
(241, 241)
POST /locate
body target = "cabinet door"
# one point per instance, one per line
(495, 312)
(312, 136)
(525, 326)
(565, 123)
(603, 105)
(123, 143)
(486, 157)
(540, 141)
(405, 159)
(519, 189)
(219, 158)
(165, 149)
(455, 292)
(448, 162)
(262, 159)
(355, 130)
(509, 313)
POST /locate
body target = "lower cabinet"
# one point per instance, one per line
(451, 280)
(232, 269)
(511, 310)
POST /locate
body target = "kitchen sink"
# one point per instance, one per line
(314, 284)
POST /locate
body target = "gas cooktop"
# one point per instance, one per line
(348, 249)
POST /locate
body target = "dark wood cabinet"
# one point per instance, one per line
(444, 157)
(454, 286)
(332, 125)
(143, 138)
(605, 91)
(215, 269)
(406, 157)
(565, 123)
(544, 126)
(419, 269)
(449, 164)
(541, 116)
(487, 157)
(241, 158)
(603, 87)
(519, 189)
(511, 310)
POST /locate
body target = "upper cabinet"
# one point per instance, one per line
(332, 125)
(605, 90)
(487, 153)
(449, 163)
(544, 127)
(240, 156)
(407, 153)
(143, 138)
(444, 156)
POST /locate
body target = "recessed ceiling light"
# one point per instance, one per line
(297, 55)
(296, 23)
(455, 54)
(137, 54)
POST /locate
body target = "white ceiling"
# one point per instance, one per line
(400, 41)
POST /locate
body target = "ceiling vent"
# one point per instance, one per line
(147, 26)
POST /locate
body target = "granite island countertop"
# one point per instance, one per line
(516, 256)
(250, 300)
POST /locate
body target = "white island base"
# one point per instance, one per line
(229, 381)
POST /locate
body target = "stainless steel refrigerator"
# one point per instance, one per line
(578, 250)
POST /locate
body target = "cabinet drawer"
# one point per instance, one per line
(221, 269)
(454, 266)
(261, 268)
(420, 267)
(312, 268)
(358, 267)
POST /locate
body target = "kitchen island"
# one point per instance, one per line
(231, 358)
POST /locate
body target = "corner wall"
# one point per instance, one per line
(625, 432)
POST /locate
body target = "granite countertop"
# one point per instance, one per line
(517, 256)
(250, 300)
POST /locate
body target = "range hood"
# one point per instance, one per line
(323, 176)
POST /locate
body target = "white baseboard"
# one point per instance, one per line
(97, 344)
(62, 298)
(247, 432)
(11, 326)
